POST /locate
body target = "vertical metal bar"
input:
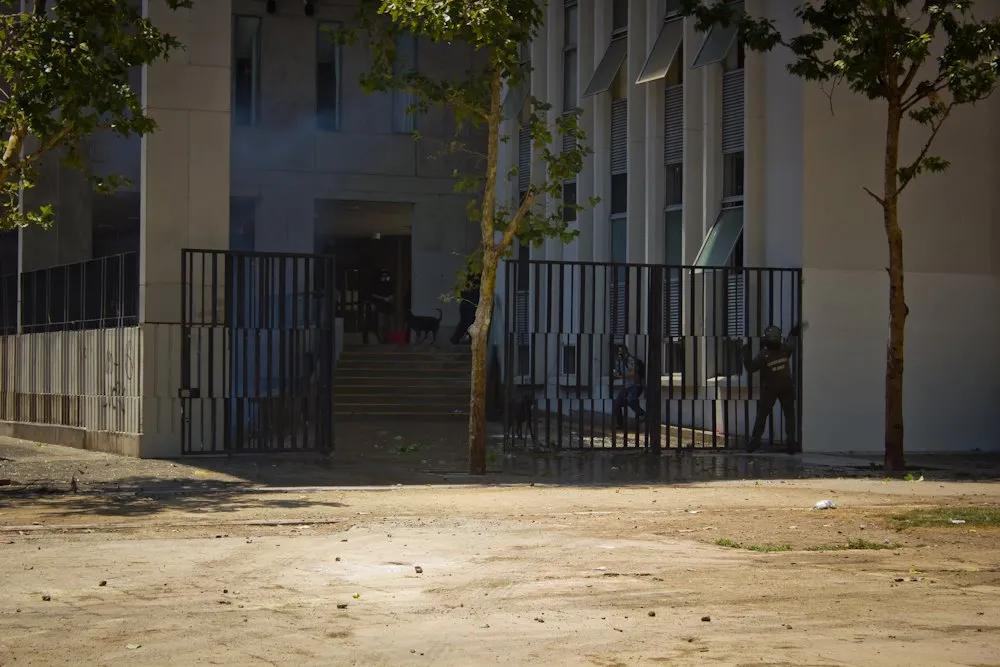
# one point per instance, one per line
(185, 401)
(286, 390)
(654, 361)
(580, 343)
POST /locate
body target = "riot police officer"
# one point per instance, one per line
(776, 382)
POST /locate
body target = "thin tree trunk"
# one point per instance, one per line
(480, 334)
(894, 458)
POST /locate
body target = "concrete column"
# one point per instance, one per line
(694, 197)
(754, 193)
(753, 151)
(601, 114)
(586, 63)
(553, 56)
(655, 173)
(694, 144)
(637, 215)
(185, 202)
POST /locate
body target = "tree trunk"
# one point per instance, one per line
(480, 334)
(894, 459)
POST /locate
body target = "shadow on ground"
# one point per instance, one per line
(400, 453)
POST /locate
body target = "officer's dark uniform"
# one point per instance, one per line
(466, 309)
(776, 383)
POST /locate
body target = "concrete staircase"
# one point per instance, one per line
(404, 382)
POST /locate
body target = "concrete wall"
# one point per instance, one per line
(804, 207)
(952, 258)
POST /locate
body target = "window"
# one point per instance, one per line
(675, 184)
(735, 58)
(569, 202)
(569, 359)
(619, 239)
(570, 37)
(673, 7)
(619, 194)
(675, 75)
(406, 61)
(523, 276)
(732, 176)
(327, 78)
(619, 17)
(673, 238)
(619, 86)
(246, 70)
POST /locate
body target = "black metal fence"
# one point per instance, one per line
(687, 325)
(257, 351)
(73, 360)
(99, 293)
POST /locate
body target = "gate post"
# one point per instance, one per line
(654, 358)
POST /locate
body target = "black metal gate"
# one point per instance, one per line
(564, 322)
(257, 351)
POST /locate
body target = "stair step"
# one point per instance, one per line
(402, 415)
(399, 410)
(399, 399)
(390, 365)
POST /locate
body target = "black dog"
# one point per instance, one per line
(521, 412)
(424, 326)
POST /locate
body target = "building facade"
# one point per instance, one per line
(706, 155)
(266, 142)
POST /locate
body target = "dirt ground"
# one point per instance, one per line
(477, 575)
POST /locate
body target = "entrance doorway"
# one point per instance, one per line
(368, 239)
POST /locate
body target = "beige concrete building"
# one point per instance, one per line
(706, 156)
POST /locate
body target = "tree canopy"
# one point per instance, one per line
(64, 69)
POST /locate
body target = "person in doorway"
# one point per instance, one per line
(776, 383)
(469, 302)
(381, 302)
(632, 372)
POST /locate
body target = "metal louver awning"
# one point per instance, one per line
(663, 52)
(721, 241)
(608, 68)
(718, 41)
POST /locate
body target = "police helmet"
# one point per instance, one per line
(772, 335)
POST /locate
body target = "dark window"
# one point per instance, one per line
(732, 175)
(327, 78)
(523, 268)
(619, 16)
(246, 70)
(675, 184)
(619, 193)
(569, 201)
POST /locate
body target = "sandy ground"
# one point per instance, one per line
(516, 575)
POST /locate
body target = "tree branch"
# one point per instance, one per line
(939, 84)
(515, 221)
(914, 166)
(881, 202)
(932, 25)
